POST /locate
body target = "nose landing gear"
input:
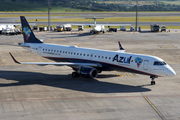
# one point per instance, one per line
(153, 82)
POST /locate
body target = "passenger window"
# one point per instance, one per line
(159, 63)
(102, 56)
(105, 57)
(87, 54)
(84, 54)
(74, 53)
(156, 63)
(98, 56)
(109, 57)
(77, 53)
(81, 54)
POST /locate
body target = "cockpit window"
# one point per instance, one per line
(159, 63)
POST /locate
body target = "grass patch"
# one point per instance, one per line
(117, 19)
(129, 2)
(171, 2)
(35, 15)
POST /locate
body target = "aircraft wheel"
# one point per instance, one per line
(153, 82)
(75, 74)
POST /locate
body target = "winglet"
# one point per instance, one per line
(120, 47)
(14, 59)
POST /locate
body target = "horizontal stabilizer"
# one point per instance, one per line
(19, 45)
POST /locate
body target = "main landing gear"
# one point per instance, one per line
(75, 74)
(153, 82)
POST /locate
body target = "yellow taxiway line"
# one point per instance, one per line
(157, 111)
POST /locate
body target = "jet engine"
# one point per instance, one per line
(88, 72)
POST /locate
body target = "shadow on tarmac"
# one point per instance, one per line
(20, 78)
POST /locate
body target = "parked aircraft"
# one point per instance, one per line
(99, 27)
(88, 62)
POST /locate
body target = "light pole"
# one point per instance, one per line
(49, 7)
(136, 15)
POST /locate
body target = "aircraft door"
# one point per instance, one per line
(146, 63)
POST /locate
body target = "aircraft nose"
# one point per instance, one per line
(171, 72)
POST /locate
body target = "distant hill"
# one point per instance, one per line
(86, 5)
(35, 5)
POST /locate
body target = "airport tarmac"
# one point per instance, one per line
(31, 92)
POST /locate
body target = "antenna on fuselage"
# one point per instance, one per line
(95, 19)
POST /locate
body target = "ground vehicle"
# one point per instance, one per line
(59, 28)
(132, 28)
(64, 27)
(163, 28)
(154, 27)
(67, 27)
(112, 30)
(8, 31)
(17, 31)
(80, 28)
(122, 28)
(2, 27)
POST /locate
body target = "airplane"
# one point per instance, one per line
(99, 27)
(88, 62)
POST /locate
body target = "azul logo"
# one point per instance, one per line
(27, 32)
(138, 61)
(121, 59)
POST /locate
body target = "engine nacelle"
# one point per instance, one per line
(88, 72)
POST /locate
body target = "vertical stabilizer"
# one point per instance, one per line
(28, 34)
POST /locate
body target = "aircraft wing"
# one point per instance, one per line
(101, 24)
(57, 63)
(115, 24)
(74, 24)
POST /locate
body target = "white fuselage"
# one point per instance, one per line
(99, 28)
(110, 60)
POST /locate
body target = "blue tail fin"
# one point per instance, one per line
(28, 34)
